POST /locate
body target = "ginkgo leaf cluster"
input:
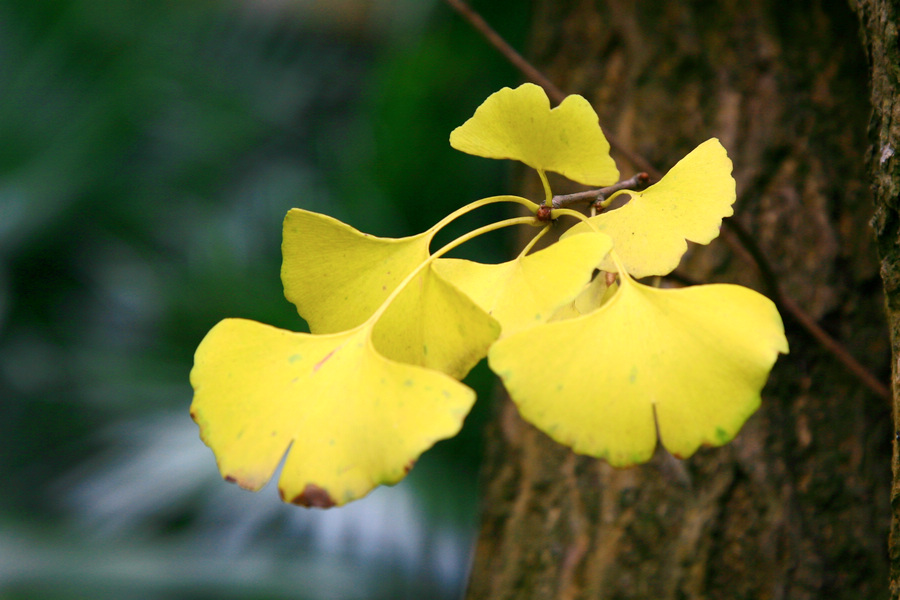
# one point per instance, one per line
(599, 361)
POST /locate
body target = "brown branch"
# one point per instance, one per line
(786, 304)
(636, 183)
(745, 245)
(502, 46)
(833, 346)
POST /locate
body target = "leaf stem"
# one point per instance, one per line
(568, 212)
(548, 194)
(531, 206)
(447, 248)
(481, 231)
(534, 241)
(622, 271)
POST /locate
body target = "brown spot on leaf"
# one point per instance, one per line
(322, 362)
(409, 466)
(313, 496)
(230, 479)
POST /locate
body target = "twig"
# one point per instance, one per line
(833, 346)
(516, 59)
(786, 304)
(636, 183)
(747, 247)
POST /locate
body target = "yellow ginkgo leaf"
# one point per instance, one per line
(348, 418)
(527, 291)
(518, 124)
(337, 276)
(432, 324)
(688, 203)
(694, 358)
(592, 296)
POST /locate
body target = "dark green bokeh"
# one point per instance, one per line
(149, 153)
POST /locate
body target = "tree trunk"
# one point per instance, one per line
(799, 505)
(878, 19)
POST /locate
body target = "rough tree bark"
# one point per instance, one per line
(799, 505)
(879, 23)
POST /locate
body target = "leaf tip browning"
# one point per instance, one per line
(312, 496)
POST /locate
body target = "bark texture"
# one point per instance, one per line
(798, 506)
(878, 27)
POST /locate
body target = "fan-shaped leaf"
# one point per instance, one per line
(696, 357)
(592, 296)
(337, 276)
(351, 418)
(688, 203)
(432, 324)
(527, 291)
(519, 124)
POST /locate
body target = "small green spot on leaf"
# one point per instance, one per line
(722, 435)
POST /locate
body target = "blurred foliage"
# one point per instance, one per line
(150, 151)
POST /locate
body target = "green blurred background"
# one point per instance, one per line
(148, 154)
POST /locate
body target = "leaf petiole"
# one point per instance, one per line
(547, 192)
(568, 212)
(531, 206)
(450, 246)
(533, 241)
